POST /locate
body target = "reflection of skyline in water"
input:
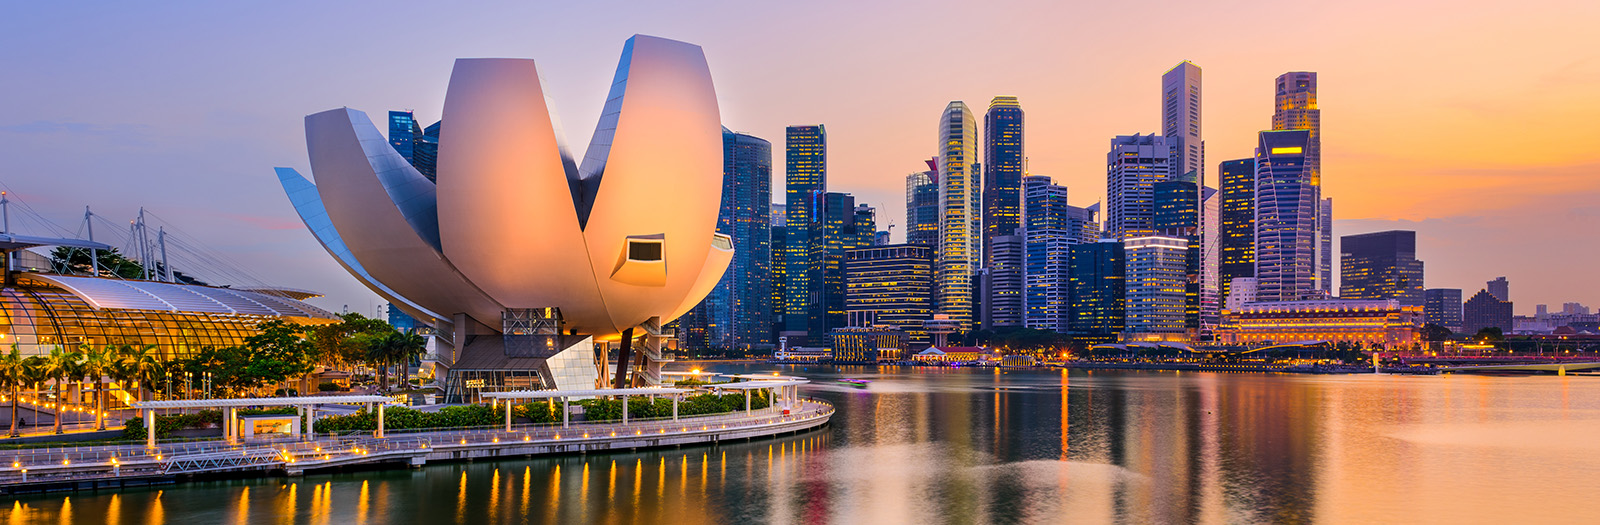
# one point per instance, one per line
(971, 445)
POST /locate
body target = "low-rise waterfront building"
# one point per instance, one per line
(868, 345)
(1373, 322)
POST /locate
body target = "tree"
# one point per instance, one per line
(141, 364)
(1490, 333)
(13, 375)
(97, 364)
(58, 366)
(275, 354)
(67, 260)
(1433, 332)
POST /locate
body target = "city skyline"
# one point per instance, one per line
(77, 142)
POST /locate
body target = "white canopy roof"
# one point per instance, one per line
(758, 385)
(764, 377)
(262, 401)
(545, 394)
(117, 294)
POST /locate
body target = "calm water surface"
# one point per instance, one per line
(980, 446)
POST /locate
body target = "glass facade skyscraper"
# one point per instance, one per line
(1156, 286)
(922, 208)
(1097, 273)
(1286, 218)
(959, 249)
(737, 314)
(1051, 228)
(1177, 215)
(1004, 164)
(1381, 265)
(1180, 122)
(1236, 223)
(1133, 167)
(835, 229)
(1442, 306)
(806, 176)
(403, 133)
(1295, 107)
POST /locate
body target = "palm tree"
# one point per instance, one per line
(97, 364)
(13, 375)
(142, 364)
(57, 366)
(408, 346)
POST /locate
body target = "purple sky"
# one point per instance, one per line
(1472, 124)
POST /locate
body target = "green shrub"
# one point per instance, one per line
(329, 387)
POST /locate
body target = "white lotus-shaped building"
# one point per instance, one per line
(519, 239)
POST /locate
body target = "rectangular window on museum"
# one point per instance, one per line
(644, 250)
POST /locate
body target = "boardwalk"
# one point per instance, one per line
(71, 468)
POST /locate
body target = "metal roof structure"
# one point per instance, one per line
(763, 377)
(12, 241)
(546, 394)
(261, 401)
(117, 294)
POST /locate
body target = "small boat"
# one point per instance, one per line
(860, 383)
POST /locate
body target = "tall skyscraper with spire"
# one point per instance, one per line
(1295, 107)
(1004, 164)
(960, 217)
(806, 176)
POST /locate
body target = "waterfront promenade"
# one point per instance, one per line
(92, 467)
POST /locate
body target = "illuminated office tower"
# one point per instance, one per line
(1097, 272)
(1210, 259)
(1381, 265)
(1003, 282)
(1236, 219)
(890, 286)
(866, 218)
(779, 234)
(1295, 107)
(837, 227)
(1133, 167)
(736, 315)
(1156, 281)
(1442, 306)
(1177, 215)
(960, 215)
(1051, 228)
(806, 177)
(922, 206)
(1002, 168)
(1286, 218)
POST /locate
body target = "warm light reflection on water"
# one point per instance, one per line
(944, 445)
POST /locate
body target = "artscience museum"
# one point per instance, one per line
(533, 268)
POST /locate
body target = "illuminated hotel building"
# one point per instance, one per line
(1295, 107)
(959, 249)
(1051, 229)
(1286, 218)
(1156, 282)
(1003, 167)
(922, 207)
(1133, 167)
(1380, 322)
(737, 314)
(1381, 265)
(806, 176)
(1236, 232)
(1097, 273)
(890, 286)
(1485, 310)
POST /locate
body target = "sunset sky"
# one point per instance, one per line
(1473, 123)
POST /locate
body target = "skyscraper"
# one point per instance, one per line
(866, 218)
(426, 152)
(1180, 122)
(1051, 228)
(835, 229)
(1500, 287)
(806, 176)
(779, 235)
(1133, 167)
(1003, 282)
(1286, 218)
(959, 252)
(736, 315)
(922, 206)
(1485, 310)
(1295, 107)
(1236, 223)
(1210, 259)
(1097, 273)
(1177, 215)
(1381, 265)
(890, 286)
(1442, 306)
(1002, 169)
(403, 133)
(1157, 306)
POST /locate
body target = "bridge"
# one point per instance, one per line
(1558, 368)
